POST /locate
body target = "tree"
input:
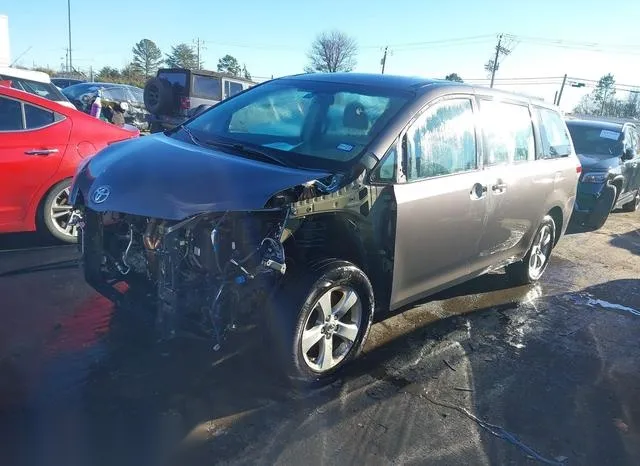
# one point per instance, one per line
(228, 64)
(454, 77)
(245, 72)
(132, 75)
(332, 51)
(182, 56)
(108, 75)
(147, 58)
(604, 92)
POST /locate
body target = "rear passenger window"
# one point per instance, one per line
(37, 117)
(441, 141)
(556, 141)
(206, 87)
(508, 132)
(10, 115)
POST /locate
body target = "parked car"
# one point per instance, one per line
(314, 201)
(61, 83)
(34, 82)
(610, 155)
(176, 94)
(112, 95)
(41, 145)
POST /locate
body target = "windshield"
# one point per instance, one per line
(595, 141)
(46, 90)
(311, 123)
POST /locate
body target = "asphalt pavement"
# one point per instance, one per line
(480, 374)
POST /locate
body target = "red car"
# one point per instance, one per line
(41, 145)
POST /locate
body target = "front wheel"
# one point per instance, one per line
(320, 319)
(530, 269)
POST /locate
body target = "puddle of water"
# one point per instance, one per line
(608, 305)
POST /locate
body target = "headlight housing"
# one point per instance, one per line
(595, 177)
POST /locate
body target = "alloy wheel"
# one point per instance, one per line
(60, 213)
(331, 329)
(540, 252)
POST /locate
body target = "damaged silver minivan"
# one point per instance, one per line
(307, 204)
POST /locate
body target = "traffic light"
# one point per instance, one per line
(574, 84)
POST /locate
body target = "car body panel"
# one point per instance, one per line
(426, 257)
(158, 176)
(25, 179)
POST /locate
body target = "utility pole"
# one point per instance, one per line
(383, 62)
(69, 18)
(199, 43)
(564, 80)
(495, 60)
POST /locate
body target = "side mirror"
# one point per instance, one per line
(628, 154)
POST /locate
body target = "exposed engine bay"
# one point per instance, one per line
(207, 273)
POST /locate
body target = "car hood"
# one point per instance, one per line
(161, 177)
(591, 162)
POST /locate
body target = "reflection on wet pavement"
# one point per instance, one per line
(555, 365)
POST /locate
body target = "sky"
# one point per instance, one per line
(425, 38)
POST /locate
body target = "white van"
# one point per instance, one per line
(34, 82)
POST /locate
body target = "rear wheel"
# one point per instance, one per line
(320, 320)
(632, 205)
(56, 211)
(531, 268)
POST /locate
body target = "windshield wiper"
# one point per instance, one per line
(236, 146)
(194, 139)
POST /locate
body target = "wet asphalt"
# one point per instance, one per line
(480, 374)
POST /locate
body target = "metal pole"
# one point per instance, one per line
(69, 17)
(555, 98)
(495, 61)
(564, 80)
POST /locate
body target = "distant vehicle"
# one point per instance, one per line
(609, 152)
(82, 96)
(34, 82)
(305, 204)
(176, 94)
(41, 145)
(61, 83)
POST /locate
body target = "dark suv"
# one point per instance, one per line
(307, 204)
(609, 151)
(176, 94)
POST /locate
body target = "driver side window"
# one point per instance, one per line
(441, 141)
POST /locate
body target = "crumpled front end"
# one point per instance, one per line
(191, 272)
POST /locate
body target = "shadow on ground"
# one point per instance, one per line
(561, 373)
(629, 241)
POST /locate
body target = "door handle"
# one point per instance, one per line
(478, 191)
(41, 151)
(499, 187)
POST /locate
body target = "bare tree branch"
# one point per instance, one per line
(331, 52)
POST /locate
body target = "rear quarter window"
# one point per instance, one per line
(554, 134)
(206, 87)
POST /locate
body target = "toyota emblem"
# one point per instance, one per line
(101, 194)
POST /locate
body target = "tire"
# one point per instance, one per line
(632, 205)
(297, 309)
(158, 96)
(56, 203)
(522, 272)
